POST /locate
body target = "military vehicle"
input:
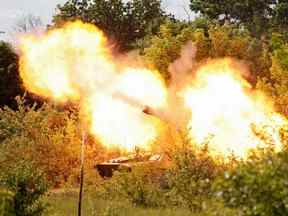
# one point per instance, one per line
(126, 163)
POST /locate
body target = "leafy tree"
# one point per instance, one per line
(275, 83)
(166, 46)
(123, 22)
(280, 18)
(254, 14)
(215, 42)
(10, 81)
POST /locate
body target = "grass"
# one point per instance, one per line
(64, 203)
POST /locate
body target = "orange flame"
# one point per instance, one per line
(74, 63)
(52, 65)
(224, 106)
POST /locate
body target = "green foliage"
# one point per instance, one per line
(6, 203)
(123, 22)
(215, 42)
(27, 185)
(276, 83)
(256, 15)
(277, 41)
(46, 136)
(257, 186)
(192, 175)
(226, 41)
(186, 184)
(280, 18)
(141, 187)
(165, 48)
(10, 81)
(49, 137)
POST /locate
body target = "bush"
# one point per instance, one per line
(192, 175)
(46, 136)
(27, 185)
(257, 186)
(141, 187)
(49, 137)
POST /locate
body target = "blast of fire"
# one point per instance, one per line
(224, 106)
(75, 63)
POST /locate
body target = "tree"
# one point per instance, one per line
(123, 22)
(10, 81)
(254, 14)
(211, 41)
(280, 18)
(166, 47)
(275, 84)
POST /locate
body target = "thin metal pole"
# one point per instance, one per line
(81, 172)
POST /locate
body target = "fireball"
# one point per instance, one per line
(75, 63)
(118, 124)
(62, 62)
(144, 86)
(225, 107)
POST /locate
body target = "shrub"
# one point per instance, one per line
(141, 187)
(192, 175)
(45, 136)
(257, 186)
(28, 185)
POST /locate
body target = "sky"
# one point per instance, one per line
(13, 10)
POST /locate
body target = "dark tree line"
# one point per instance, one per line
(257, 15)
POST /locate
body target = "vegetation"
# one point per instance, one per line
(123, 22)
(39, 141)
(258, 185)
(27, 185)
(64, 203)
(257, 16)
(10, 82)
(6, 202)
(214, 41)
